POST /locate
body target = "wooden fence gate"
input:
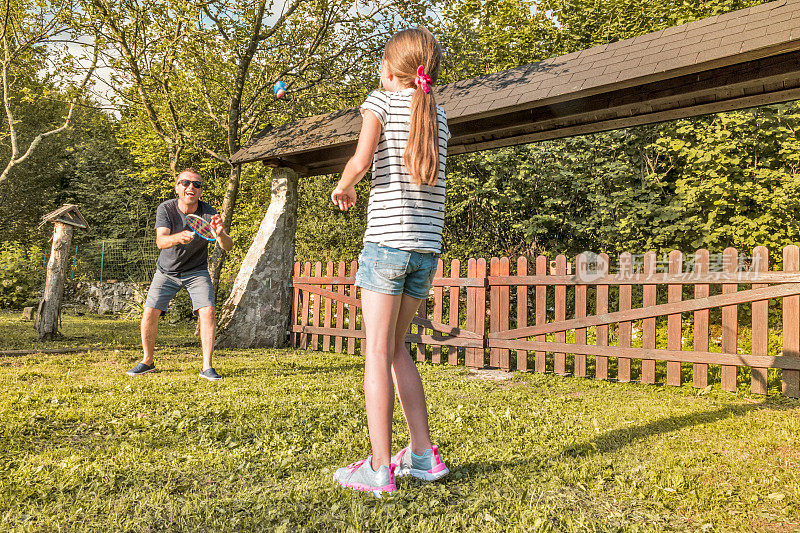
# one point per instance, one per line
(563, 320)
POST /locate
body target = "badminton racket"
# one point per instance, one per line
(201, 226)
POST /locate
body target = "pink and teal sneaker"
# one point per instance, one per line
(428, 466)
(361, 476)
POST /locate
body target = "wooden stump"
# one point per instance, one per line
(50, 305)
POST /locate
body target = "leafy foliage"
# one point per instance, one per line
(20, 274)
(717, 181)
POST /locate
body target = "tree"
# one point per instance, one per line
(200, 73)
(32, 35)
(649, 187)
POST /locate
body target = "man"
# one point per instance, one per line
(182, 262)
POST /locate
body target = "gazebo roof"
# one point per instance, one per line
(740, 59)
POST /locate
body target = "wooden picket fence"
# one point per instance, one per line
(504, 320)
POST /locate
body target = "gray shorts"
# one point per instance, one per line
(164, 287)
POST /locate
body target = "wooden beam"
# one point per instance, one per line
(751, 295)
(687, 278)
(460, 340)
(758, 361)
(460, 147)
(438, 282)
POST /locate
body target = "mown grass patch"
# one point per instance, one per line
(84, 447)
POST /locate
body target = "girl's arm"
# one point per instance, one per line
(344, 195)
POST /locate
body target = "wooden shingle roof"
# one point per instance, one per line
(67, 214)
(740, 59)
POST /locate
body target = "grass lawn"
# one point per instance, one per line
(84, 447)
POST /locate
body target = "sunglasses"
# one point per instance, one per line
(197, 184)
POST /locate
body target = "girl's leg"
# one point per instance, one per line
(407, 380)
(380, 318)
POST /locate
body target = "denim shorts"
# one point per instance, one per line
(391, 271)
(164, 287)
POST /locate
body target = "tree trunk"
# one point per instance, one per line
(226, 212)
(257, 312)
(218, 256)
(50, 305)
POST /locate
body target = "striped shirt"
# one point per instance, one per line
(400, 214)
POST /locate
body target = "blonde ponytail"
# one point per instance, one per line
(413, 56)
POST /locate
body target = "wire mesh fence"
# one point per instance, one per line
(117, 259)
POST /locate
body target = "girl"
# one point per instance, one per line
(404, 137)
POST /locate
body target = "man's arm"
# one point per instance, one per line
(223, 238)
(165, 240)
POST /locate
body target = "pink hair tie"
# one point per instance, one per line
(422, 79)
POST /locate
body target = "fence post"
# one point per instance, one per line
(337, 343)
(581, 266)
(102, 258)
(730, 321)
(560, 308)
(759, 377)
(540, 358)
(701, 290)
(438, 297)
(352, 311)
(790, 379)
(295, 301)
(476, 311)
(601, 332)
(505, 310)
(315, 310)
(674, 331)
(455, 272)
(649, 293)
(522, 310)
(306, 300)
(624, 328)
(495, 310)
(422, 312)
(470, 353)
(326, 339)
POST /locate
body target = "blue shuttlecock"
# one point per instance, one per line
(279, 89)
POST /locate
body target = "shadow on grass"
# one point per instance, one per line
(294, 370)
(614, 440)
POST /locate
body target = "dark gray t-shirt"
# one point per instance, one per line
(182, 258)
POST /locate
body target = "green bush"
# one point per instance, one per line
(21, 273)
(180, 309)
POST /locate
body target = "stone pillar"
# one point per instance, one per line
(257, 312)
(50, 305)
